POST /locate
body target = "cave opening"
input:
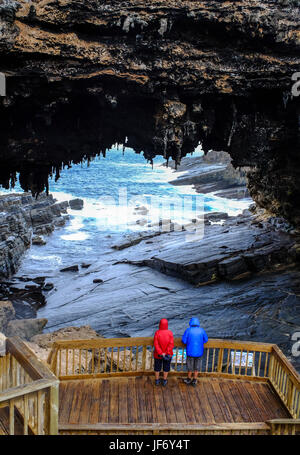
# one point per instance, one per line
(160, 81)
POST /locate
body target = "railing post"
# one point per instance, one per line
(220, 360)
(144, 358)
(53, 409)
(12, 417)
(271, 366)
(290, 394)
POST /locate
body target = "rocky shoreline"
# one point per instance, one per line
(212, 173)
(24, 220)
(240, 261)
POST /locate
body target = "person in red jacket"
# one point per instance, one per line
(163, 351)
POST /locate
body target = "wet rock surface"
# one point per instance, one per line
(212, 173)
(76, 204)
(236, 249)
(22, 218)
(262, 305)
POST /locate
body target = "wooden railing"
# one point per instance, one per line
(284, 426)
(101, 357)
(28, 391)
(286, 381)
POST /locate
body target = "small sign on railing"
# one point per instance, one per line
(245, 362)
(181, 356)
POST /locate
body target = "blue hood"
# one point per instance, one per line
(194, 322)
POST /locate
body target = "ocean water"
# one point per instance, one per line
(111, 188)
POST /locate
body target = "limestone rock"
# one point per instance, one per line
(38, 240)
(23, 218)
(76, 204)
(71, 268)
(7, 313)
(45, 340)
(191, 86)
(2, 344)
(25, 328)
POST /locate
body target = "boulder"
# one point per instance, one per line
(141, 210)
(46, 340)
(76, 204)
(25, 328)
(72, 268)
(216, 216)
(141, 222)
(7, 313)
(38, 240)
(48, 287)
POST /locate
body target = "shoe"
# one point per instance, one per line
(157, 381)
(194, 382)
(165, 382)
(187, 381)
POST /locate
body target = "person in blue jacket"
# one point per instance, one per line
(194, 337)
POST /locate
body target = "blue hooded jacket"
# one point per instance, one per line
(194, 337)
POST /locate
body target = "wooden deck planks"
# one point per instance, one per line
(169, 404)
(205, 402)
(237, 415)
(251, 405)
(177, 402)
(271, 402)
(95, 402)
(76, 402)
(132, 401)
(186, 402)
(123, 401)
(66, 393)
(104, 401)
(222, 401)
(159, 404)
(86, 403)
(141, 400)
(113, 415)
(137, 400)
(212, 399)
(150, 403)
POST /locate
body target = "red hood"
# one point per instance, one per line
(163, 325)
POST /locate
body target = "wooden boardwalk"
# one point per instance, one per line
(125, 400)
(106, 386)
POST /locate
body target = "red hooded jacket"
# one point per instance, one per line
(163, 340)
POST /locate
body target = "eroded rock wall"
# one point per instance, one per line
(21, 216)
(160, 76)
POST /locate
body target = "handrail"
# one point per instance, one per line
(28, 389)
(15, 392)
(286, 381)
(34, 367)
(100, 357)
(286, 365)
(284, 426)
(134, 341)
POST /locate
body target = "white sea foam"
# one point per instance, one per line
(78, 236)
(50, 258)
